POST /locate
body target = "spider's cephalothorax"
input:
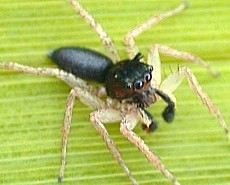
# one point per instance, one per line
(127, 79)
(130, 79)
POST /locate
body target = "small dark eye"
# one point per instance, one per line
(138, 84)
(150, 68)
(129, 86)
(148, 77)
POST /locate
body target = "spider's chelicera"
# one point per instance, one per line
(129, 86)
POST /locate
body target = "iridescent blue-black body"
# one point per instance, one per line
(126, 80)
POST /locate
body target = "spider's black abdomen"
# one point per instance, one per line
(84, 63)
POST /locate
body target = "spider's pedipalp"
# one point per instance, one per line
(169, 112)
(149, 124)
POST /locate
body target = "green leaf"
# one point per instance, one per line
(194, 147)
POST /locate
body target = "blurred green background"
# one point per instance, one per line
(194, 147)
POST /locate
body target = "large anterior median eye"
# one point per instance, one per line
(147, 77)
(138, 84)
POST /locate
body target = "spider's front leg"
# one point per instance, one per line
(173, 81)
(126, 130)
(182, 56)
(132, 49)
(170, 84)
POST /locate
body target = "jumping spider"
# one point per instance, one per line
(129, 86)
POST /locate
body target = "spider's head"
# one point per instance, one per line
(130, 79)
